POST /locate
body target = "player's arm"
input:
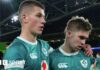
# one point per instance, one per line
(13, 59)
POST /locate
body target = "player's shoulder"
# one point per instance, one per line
(54, 52)
(81, 53)
(44, 43)
(16, 44)
(14, 49)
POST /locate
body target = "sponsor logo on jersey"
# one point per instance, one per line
(84, 63)
(44, 65)
(13, 64)
(33, 56)
(62, 65)
(45, 51)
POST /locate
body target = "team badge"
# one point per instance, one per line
(84, 63)
(45, 51)
(44, 65)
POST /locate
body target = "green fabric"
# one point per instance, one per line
(33, 55)
(98, 64)
(59, 61)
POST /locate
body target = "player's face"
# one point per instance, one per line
(78, 39)
(36, 20)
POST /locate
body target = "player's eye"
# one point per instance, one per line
(39, 15)
(82, 37)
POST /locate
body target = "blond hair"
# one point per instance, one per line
(78, 23)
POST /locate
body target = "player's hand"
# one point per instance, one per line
(87, 49)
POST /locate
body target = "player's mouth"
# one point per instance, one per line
(41, 28)
(78, 47)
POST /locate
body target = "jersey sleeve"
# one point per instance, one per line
(13, 59)
(98, 60)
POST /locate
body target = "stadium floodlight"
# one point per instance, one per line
(14, 18)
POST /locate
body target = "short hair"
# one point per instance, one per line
(28, 4)
(78, 23)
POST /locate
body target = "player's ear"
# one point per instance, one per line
(68, 33)
(24, 18)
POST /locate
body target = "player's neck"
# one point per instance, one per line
(67, 48)
(26, 35)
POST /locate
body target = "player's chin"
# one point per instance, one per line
(77, 49)
(39, 33)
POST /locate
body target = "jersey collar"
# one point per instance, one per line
(32, 43)
(67, 54)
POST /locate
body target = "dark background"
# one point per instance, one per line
(57, 14)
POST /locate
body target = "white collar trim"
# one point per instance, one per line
(32, 43)
(67, 54)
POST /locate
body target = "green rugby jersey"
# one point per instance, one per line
(97, 63)
(59, 60)
(24, 55)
